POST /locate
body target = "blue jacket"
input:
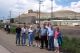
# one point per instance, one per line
(60, 39)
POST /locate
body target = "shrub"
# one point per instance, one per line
(13, 29)
(71, 45)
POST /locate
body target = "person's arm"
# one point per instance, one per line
(16, 30)
(21, 30)
(47, 34)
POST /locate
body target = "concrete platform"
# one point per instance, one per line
(3, 50)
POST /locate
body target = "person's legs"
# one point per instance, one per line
(49, 42)
(32, 39)
(56, 45)
(19, 40)
(42, 42)
(52, 42)
(46, 42)
(24, 38)
(16, 38)
(8, 30)
(29, 39)
(57, 50)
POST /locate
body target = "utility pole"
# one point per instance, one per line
(10, 15)
(51, 8)
(19, 17)
(75, 16)
(3, 19)
(39, 10)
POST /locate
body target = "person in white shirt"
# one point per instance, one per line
(5, 26)
(50, 34)
(30, 35)
(24, 34)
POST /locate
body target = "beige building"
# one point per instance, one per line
(32, 16)
(61, 14)
(66, 22)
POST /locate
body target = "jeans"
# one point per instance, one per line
(51, 42)
(23, 38)
(30, 38)
(18, 38)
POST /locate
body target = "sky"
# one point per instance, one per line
(22, 6)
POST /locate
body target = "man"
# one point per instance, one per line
(43, 37)
(18, 35)
(50, 33)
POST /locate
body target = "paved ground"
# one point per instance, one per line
(3, 50)
(8, 41)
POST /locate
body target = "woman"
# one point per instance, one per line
(30, 35)
(24, 34)
(57, 40)
(37, 36)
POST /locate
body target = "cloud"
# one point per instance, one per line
(22, 6)
(75, 6)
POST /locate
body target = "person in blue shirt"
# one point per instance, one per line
(50, 34)
(43, 33)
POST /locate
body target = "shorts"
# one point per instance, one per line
(37, 38)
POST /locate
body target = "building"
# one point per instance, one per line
(32, 16)
(66, 22)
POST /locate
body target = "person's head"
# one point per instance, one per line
(49, 24)
(24, 25)
(57, 28)
(38, 26)
(31, 26)
(44, 25)
(51, 27)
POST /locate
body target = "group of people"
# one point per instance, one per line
(44, 36)
(7, 28)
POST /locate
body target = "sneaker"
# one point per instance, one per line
(41, 48)
(28, 45)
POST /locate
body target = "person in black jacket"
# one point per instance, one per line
(18, 34)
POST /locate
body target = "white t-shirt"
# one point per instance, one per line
(5, 26)
(30, 30)
(24, 30)
(50, 31)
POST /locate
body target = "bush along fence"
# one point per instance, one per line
(71, 45)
